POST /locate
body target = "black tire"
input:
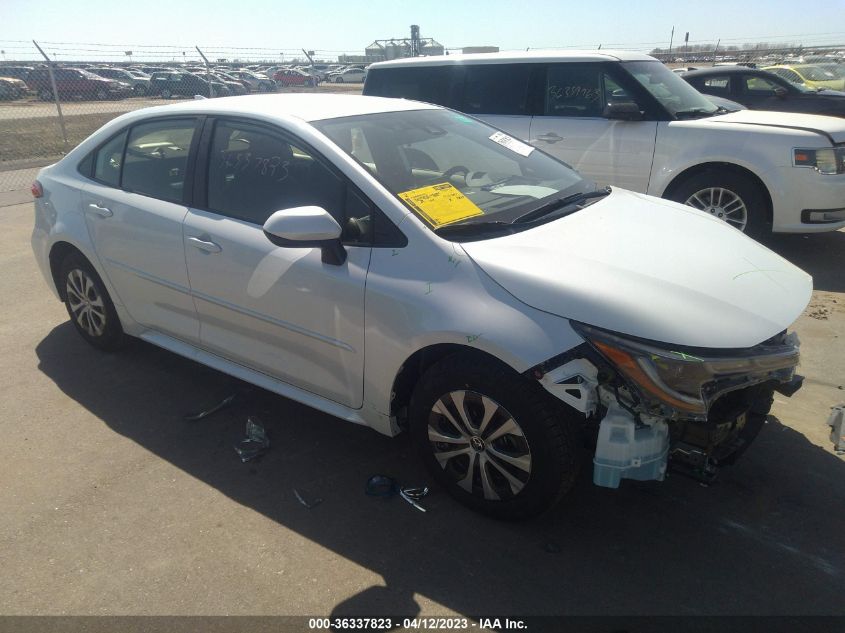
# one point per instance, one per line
(549, 436)
(45, 95)
(339, 80)
(104, 332)
(165, 93)
(748, 192)
(140, 90)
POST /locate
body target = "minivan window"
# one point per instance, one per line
(574, 90)
(673, 93)
(431, 84)
(157, 158)
(496, 89)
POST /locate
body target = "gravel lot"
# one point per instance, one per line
(113, 504)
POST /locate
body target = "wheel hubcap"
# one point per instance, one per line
(721, 203)
(480, 445)
(85, 302)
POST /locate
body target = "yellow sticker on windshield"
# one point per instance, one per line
(440, 204)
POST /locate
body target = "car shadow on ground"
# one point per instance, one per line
(766, 539)
(820, 254)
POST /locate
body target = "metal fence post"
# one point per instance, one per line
(55, 93)
(207, 70)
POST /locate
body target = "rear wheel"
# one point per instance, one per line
(166, 94)
(45, 95)
(731, 197)
(339, 80)
(102, 95)
(88, 304)
(140, 90)
(498, 442)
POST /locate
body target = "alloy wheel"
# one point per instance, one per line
(85, 302)
(480, 445)
(721, 203)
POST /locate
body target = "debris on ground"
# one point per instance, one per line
(836, 422)
(307, 504)
(386, 487)
(256, 441)
(218, 407)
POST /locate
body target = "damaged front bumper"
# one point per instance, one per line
(693, 409)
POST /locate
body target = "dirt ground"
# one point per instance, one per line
(113, 504)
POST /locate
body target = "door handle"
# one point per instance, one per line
(205, 245)
(103, 212)
(549, 137)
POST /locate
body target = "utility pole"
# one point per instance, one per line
(55, 92)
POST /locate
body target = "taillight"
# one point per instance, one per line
(37, 190)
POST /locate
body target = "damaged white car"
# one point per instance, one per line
(407, 267)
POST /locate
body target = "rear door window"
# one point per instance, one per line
(156, 158)
(108, 160)
(496, 89)
(717, 86)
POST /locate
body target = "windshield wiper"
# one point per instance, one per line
(694, 112)
(559, 203)
(471, 228)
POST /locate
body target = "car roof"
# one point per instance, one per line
(303, 106)
(517, 57)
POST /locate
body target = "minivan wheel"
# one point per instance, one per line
(88, 304)
(730, 197)
(165, 94)
(498, 442)
(45, 95)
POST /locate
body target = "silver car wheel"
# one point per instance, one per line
(480, 445)
(85, 302)
(721, 203)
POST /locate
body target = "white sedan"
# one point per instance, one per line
(350, 75)
(406, 267)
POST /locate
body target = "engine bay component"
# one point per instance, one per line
(628, 450)
(575, 383)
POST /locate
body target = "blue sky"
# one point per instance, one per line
(333, 26)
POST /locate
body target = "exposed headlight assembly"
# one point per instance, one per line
(686, 382)
(827, 160)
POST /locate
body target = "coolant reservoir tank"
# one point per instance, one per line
(624, 451)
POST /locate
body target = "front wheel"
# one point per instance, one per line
(166, 94)
(88, 304)
(731, 197)
(498, 442)
(339, 80)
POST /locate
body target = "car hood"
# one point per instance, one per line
(650, 268)
(831, 126)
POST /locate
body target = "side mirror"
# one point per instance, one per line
(307, 227)
(622, 111)
(781, 92)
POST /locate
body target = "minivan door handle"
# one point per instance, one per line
(103, 212)
(205, 245)
(549, 137)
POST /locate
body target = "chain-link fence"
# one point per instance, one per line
(54, 94)
(49, 105)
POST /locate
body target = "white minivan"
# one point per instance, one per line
(625, 119)
(407, 267)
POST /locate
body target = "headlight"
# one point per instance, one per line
(688, 382)
(828, 160)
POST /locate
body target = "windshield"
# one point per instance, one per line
(817, 73)
(674, 94)
(449, 168)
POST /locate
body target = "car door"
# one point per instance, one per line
(134, 208)
(281, 311)
(572, 126)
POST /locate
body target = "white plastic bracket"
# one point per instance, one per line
(575, 383)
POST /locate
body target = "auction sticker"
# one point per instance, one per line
(440, 204)
(511, 143)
